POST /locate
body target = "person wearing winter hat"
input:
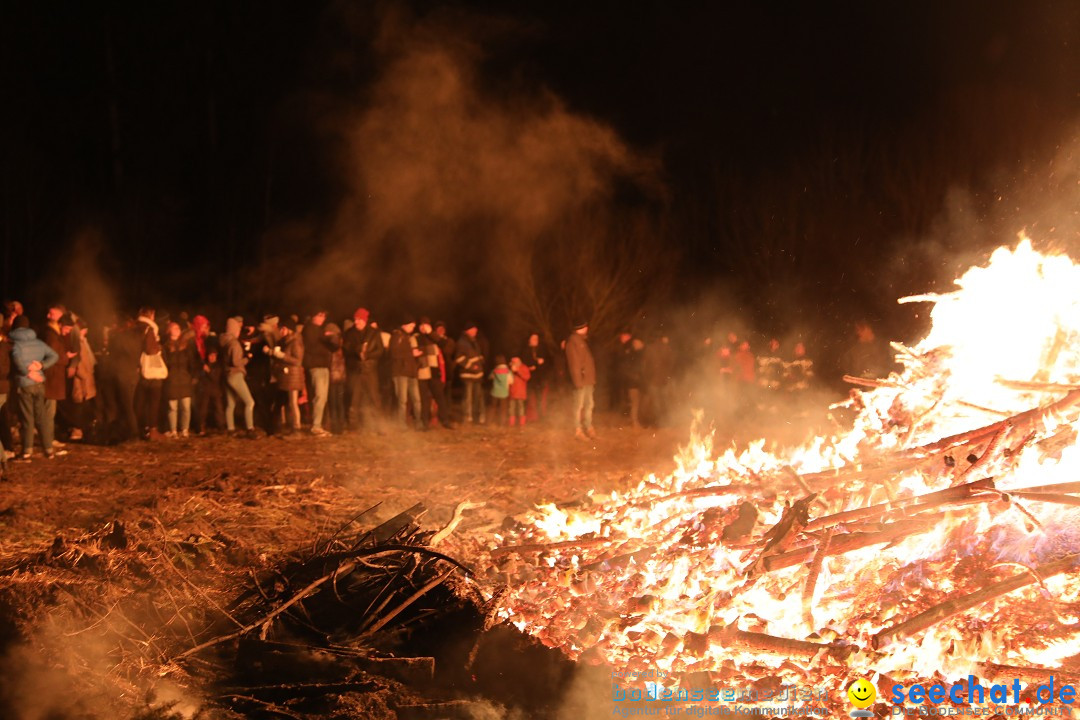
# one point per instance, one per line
(582, 371)
(363, 348)
(469, 358)
(235, 361)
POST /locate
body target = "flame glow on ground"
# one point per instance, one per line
(648, 579)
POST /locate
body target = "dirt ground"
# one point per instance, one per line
(201, 518)
(508, 468)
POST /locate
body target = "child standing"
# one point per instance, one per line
(519, 391)
(501, 379)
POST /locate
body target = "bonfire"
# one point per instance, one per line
(937, 538)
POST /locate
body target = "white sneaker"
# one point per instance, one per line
(8, 455)
(184, 434)
(76, 434)
(171, 434)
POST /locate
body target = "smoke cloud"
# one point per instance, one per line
(455, 181)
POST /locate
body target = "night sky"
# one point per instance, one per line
(825, 150)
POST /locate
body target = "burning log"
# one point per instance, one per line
(929, 500)
(544, 547)
(1030, 386)
(730, 636)
(841, 544)
(932, 616)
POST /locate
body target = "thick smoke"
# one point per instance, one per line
(456, 183)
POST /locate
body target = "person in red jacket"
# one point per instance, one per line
(519, 391)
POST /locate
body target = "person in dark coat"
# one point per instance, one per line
(287, 367)
(123, 344)
(405, 356)
(363, 348)
(183, 367)
(56, 377)
(469, 359)
(581, 369)
(535, 359)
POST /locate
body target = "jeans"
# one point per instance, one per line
(320, 388)
(473, 405)
(237, 389)
(501, 405)
(126, 386)
(183, 405)
(32, 409)
(407, 389)
(517, 408)
(583, 407)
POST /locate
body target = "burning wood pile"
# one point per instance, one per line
(938, 537)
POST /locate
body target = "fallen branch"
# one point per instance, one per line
(932, 616)
(430, 585)
(455, 520)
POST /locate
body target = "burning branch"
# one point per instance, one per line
(932, 616)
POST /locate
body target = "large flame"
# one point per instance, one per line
(649, 579)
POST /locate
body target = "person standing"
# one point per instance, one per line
(84, 385)
(519, 391)
(338, 376)
(183, 364)
(536, 362)
(434, 388)
(287, 365)
(470, 360)
(30, 359)
(501, 379)
(56, 376)
(235, 362)
(581, 369)
(363, 347)
(152, 374)
(317, 366)
(404, 365)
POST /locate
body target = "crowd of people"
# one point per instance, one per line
(159, 376)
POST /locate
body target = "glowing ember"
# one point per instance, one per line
(674, 574)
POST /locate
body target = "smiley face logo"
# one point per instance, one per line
(861, 693)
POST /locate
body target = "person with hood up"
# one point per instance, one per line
(30, 359)
(234, 360)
